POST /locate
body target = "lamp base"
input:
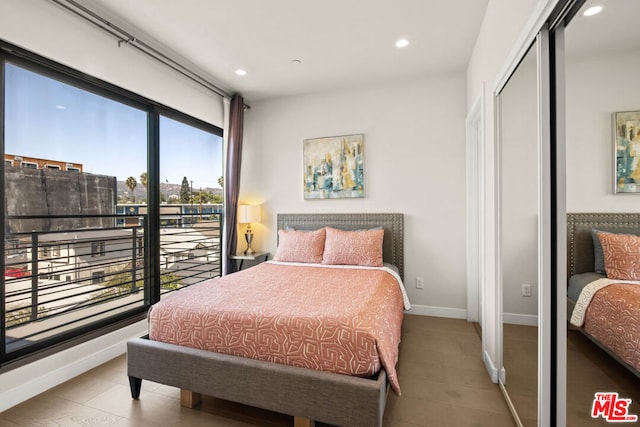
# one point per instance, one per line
(249, 238)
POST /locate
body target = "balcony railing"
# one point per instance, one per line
(92, 268)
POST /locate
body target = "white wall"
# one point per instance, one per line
(414, 154)
(597, 86)
(504, 22)
(29, 380)
(46, 29)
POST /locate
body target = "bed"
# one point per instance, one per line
(603, 299)
(307, 394)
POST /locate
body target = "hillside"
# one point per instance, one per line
(165, 188)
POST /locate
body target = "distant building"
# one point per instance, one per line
(49, 199)
(87, 255)
(171, 215)
(190, 253)
(73, 269)
(94, 257)
(36, 163)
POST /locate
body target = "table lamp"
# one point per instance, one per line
(246, 215)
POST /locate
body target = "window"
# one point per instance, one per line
(50, 252)
(108, 135)
(97, 277)
(191, 160)
(103, 250)
(97, 249)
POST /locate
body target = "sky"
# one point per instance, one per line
(45, 118)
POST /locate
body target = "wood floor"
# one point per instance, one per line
(443, 380)
(520, 360)
(589, 370)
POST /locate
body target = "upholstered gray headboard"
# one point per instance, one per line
(580, 258)
(392, 223)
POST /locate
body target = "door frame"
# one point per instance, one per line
(475, 210)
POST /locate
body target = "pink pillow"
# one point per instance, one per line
(300, 246)
(621, 255)
(362, 247)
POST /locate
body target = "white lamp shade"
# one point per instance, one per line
(248, 214)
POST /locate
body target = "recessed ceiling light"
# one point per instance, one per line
(593, 10)
(241, 72)
(402, 43)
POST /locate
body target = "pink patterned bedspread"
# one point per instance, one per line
(613, 318)
(342, 320)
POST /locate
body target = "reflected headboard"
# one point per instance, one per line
(580, 257)
(392, 223)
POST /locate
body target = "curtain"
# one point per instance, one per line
(232, 179)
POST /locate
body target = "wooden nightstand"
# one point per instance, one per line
(257, 256)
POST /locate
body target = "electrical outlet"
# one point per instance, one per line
(526, 290)
(419, 282)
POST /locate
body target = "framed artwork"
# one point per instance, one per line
(626, 126)
(333, 167)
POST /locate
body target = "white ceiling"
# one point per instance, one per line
(340, 43)
(615, 29)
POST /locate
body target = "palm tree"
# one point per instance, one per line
(144, 179)
(131, 183)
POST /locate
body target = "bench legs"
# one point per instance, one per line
(189, 399)
(303, 422)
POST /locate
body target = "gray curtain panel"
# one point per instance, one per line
(232, 178)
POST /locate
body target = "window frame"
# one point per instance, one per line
(98, 249)
(28, 60)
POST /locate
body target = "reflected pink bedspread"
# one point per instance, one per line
(613, 318)
(340, 320)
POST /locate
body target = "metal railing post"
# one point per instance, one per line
(34, 276)
(134, 261)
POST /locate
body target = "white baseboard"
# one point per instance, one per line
(27, 381)
(491, 367)
(520, 319)
(426, 310)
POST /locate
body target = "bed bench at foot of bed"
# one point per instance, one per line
(306, 394)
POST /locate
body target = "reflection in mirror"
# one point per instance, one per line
(519, 237)
(602, 61)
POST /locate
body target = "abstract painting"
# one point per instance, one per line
(627, 151)
(333, 167)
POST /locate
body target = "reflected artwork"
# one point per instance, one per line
(627, 148)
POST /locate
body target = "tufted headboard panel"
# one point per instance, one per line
(580, 257)
(392, 223)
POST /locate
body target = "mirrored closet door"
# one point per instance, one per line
(602, 62)
(519, 217)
